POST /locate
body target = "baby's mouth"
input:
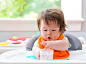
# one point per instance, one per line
(49, 38)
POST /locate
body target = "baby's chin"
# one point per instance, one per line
(51, 39)
(48, 40)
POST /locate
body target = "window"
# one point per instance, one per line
(25, 8)
(72, 10)
(73, 14)
(18, 15)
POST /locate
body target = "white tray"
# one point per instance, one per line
(19, 56)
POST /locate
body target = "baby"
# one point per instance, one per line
(51, 25)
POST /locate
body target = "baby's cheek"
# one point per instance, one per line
(43, 34)
(55, 37)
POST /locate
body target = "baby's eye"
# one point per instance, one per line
(45, 30)
(53, 30)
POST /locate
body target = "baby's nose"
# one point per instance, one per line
(49, 33)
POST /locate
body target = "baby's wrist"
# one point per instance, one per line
(50, 44)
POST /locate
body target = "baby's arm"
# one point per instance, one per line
(36, 51)
(58, 44)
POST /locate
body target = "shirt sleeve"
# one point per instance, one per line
(65, 38)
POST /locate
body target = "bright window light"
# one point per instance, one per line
(72, 9)
(25, 8)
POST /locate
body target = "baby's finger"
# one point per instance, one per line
(43, 43)
(47, 46)
(38, 57)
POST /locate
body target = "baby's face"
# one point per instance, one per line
(49, 32)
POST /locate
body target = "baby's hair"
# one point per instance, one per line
(54, 15)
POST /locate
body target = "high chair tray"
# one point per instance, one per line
(20, 57)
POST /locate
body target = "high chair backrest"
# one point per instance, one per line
(74, 41)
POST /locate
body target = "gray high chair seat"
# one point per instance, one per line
(74, 41)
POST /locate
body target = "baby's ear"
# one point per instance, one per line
(61, 32)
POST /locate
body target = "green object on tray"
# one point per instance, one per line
(66, 59)
(32, 57)
(15, 37)
(58, 59)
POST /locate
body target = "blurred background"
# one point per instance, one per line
(15, 16)
(25, 8)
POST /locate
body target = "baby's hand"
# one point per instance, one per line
(37, 54)
(36, 51)
(48, 44)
